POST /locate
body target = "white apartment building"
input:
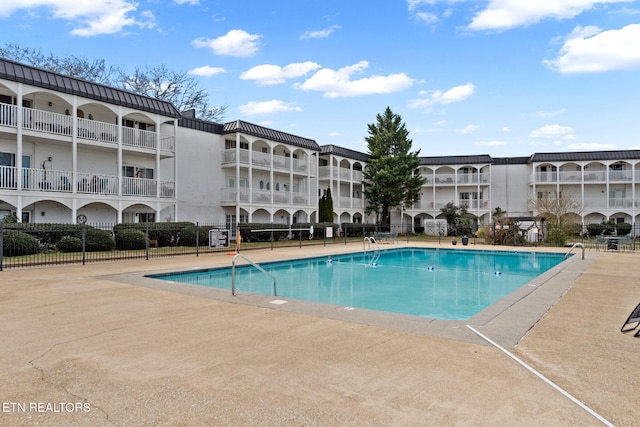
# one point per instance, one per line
(71, 148)
(243, 172)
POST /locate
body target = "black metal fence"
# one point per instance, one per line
(29, 245)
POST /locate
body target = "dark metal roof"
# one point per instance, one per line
(511, 160)
(270, 134)
(38, 77)
(455, 160)
(586, 156)
(201, 125)
(344, 152)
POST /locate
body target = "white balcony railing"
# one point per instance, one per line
(138, 138)
(47, 122)
(51, 123)
(35, 179)
(97, 131)
(8, 115)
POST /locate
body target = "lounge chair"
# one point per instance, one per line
(632, 322)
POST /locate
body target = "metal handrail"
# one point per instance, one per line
(376, 250)
(575, 245)
(233, 273)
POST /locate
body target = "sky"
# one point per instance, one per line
(467, 77)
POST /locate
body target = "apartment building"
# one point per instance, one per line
(340, 170)
(74, 149)
(244, 172)
(71, 148)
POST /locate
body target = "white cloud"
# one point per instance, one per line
(551, 131)
(320, 34)
(89, 18)
(338, 84)
(584, 146)
(468, 129)
(547, 114)
(589, 49)
(455, 94)
(190, 2)
(334, 134)
(268, 74)
(545, 143)
(414, 4)
(237, 43)
(427, 18)
(267, 107)
(507, 14)
(506, 129)
(494, 143)
(206, 71)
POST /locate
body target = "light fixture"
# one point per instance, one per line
(50, 104)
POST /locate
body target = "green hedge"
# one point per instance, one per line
(16, 243)
(282, 231)
(164, 233)
(69, 244)
(188, 235)
(130, 239)
(354, 229)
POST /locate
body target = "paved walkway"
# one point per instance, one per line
(99, 345)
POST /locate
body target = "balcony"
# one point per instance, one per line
(47, 123)
(85, 183)
(264, 197)
(622, 203)
(577, 177)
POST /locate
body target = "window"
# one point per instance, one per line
(146, 217)
(137, 172)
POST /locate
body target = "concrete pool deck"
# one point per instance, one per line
(102, 345)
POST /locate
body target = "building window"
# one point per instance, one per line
(146, 217)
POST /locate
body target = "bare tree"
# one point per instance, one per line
(557, 208)
(177, 87)
(70, 65)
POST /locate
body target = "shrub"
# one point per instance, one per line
(16, 243)
(131, 239)
(281, 231)
(595, 229)
(70, 244)
(188, 236)
(98, 240)
(354, 229)
(623, 228)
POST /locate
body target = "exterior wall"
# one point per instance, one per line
(200, 178)
(508, 189)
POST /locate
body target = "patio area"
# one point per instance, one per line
(124, 351)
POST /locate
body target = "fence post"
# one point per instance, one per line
(272, 236)
(197, 238)
(146, 243)
(1, 244)
(84, 243)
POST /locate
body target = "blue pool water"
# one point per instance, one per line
(436, 283)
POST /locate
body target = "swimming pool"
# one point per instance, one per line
(436, 283)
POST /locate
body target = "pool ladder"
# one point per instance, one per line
(376, 250)
(575, 245)
(233, 273)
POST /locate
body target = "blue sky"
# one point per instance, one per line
(498, 77)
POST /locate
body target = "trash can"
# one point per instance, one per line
(465, 241)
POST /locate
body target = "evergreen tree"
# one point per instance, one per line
(390, 178)
(328, 207)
